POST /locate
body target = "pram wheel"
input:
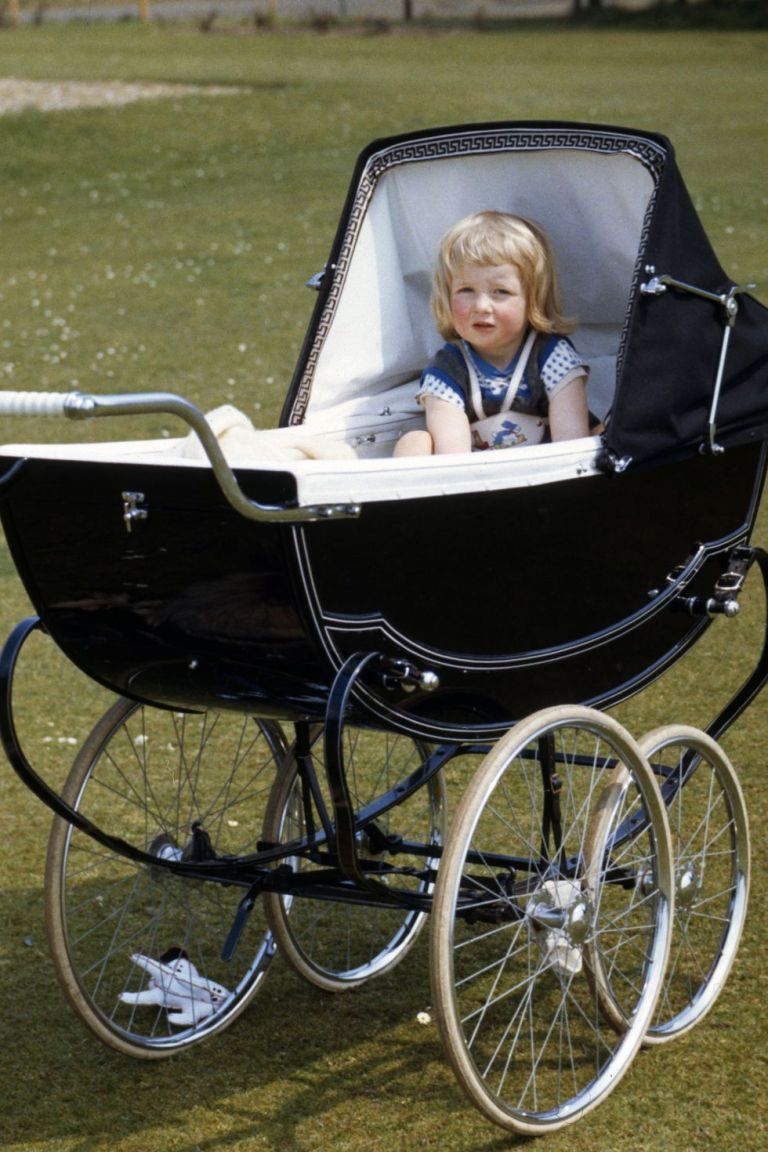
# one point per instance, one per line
(339, 945)
(138, 949)
(527, 895)
(710, 841)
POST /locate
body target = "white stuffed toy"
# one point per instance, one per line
(176, 985)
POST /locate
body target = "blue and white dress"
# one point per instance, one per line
(506, 407)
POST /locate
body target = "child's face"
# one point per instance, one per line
(489, 310)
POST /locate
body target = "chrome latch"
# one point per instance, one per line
(131, 511)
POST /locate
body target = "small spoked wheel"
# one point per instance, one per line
(339, 944)
(558, 866)
(710, 841)
(137, 948)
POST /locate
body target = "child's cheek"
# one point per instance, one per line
(459, 311)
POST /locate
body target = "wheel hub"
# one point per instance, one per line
(560, 917)
(687, 885)
(165, 848)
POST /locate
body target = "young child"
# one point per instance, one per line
(507, 373)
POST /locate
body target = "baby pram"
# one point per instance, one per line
(305, 644)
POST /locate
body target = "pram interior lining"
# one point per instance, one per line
(376, 331)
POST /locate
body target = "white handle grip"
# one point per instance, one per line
(35, 403)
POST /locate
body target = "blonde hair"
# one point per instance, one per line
(490, 238)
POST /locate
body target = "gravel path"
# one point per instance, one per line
(59, 96)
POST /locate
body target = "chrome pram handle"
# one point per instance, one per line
(83, 406)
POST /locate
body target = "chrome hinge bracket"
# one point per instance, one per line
(400, 673)
(318, 279)
(724, 600)
(131, 511)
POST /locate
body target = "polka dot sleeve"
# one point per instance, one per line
(561, 367)
(441, 387)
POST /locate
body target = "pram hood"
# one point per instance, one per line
(618, 213)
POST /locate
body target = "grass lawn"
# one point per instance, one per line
(164, 245)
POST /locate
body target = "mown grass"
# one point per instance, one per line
(165, 244)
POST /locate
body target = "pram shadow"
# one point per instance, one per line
(272, 1081)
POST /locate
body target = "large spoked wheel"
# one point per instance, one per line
(528, 895)
(339, 945)
(136, 948)
(710, 841)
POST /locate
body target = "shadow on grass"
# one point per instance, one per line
(294, 1058)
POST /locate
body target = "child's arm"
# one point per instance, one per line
(448, 425)
(568, 411)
